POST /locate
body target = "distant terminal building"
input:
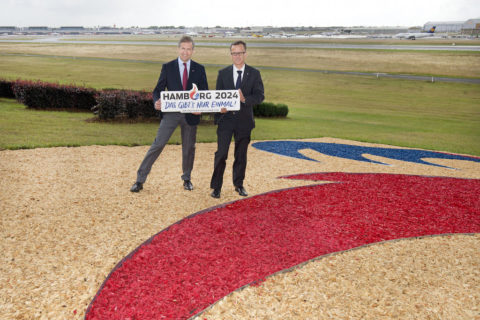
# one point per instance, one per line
(8, 29)
(71, 30)
(38, 30)
(444, 26)
(250, 30)
(451, 29)
(113, 30)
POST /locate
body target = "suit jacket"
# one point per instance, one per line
(252, 89)
(170, 79)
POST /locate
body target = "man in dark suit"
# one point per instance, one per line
(176, 75)
(238, 124)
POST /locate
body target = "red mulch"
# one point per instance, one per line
(187, 267)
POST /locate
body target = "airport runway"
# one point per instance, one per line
(407, 46)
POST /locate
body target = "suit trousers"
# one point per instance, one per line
(169, 123)
(224, 138)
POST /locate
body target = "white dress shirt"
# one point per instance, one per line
(235, 73)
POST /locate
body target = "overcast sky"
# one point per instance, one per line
(236, 13)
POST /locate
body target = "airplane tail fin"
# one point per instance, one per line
(432, 29)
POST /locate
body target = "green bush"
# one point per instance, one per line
(269, 109)
(282, 110)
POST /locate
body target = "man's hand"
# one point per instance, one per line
(242, 98)
(223, 110)
(158, 105)
(197, 113)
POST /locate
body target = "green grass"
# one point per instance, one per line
(91, 73)
(25, 128)
(438, 116)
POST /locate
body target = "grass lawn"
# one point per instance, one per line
(25, 128)
(438, 116)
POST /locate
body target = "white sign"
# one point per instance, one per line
(200, 100)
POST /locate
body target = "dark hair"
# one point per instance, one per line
(237, 43)
(186, 39)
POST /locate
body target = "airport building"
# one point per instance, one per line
(71, 30)
(8, 29)
(471, 26)
(444, 26)
(39, 30)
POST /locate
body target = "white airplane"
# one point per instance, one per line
(288, 35)
(416, 35)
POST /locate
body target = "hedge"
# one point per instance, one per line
(269, 109)
(44, 95)
(124, 104)
(107, 103)
(127, 104)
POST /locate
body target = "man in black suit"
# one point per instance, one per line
(176, 75)
(238, 124)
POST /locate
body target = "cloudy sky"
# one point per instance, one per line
(236, 13)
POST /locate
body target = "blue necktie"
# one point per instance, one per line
(239, 80)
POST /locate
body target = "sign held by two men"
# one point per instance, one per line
(200, 100)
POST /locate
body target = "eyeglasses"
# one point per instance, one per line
(236, 54)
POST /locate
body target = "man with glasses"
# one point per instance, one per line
(176, 75)
(238, 124)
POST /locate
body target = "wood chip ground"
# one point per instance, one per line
(67, 218)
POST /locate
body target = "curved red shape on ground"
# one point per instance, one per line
(185, 268)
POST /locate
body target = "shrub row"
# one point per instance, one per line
(44, 95)
(107, 103)
(268, 109)
(124, 104)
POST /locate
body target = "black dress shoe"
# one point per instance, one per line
(137, 187)
(241, 191)
(187, 185)
(216, 193)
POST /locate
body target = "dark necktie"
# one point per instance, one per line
(239, 80)
(185, 76)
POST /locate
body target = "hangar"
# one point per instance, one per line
(444, 26)
(471, 26)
